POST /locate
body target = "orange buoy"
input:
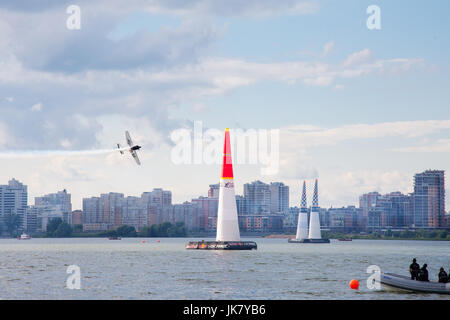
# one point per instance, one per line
(354, 284)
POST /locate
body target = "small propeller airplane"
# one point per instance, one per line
(133, 148)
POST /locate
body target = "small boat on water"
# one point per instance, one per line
(395, 281)
(24, 236)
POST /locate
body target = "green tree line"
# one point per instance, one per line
(57, 228)
(389, 234)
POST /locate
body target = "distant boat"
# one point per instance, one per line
(114, 238)
(395, 281)
(345, 239)
(24, 236)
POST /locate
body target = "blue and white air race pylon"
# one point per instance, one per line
(302, 222)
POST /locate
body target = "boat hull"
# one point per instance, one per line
(309, 240)
(394, 281)
(221, 245)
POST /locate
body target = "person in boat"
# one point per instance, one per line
(423, 274)
(443, 277)
(414, 269)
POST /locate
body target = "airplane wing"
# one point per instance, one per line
(135, 156)
(128, 137)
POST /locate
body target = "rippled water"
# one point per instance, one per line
(132, 269)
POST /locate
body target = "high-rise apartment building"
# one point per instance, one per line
(13, 200)
(213, 191)
(429, 199)
(60, 200)
(258, 197)
(279, 198)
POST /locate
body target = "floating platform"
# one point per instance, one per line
(398, 282)
(309, 240)
(222, 245)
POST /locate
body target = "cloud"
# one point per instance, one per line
(327, 48)
(358, 58)
(344, 188)
(302, 149)
(3, 134)
(200, 107)
(37, 107)
(233, 8)
(144, 92)
(319, 136)
(439, 146)
(44, 43)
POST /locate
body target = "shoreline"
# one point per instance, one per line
(284, 236)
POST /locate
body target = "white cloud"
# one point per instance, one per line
(358, 58)
(307, 152)
(200, 107)
(3, 134)
(344, 188)
(328, 48)
(36, 107)
(65, 143)
(315, 136)
(440, 145)
(249, 8)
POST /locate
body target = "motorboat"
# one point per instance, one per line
(24, 236)
(395, 281)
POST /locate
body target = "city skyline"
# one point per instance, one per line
(242, 184)
(264, 205)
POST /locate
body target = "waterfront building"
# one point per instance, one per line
(61, 201)
(242, 205)
(368, 201)
(91, 210)
(77, 217)
(13, 200)
(258, 197)
(290, 220)
(134, 213)
(261, 223)
(111, 206)
(429, 199)
(213, 191)
(208, 207)
(279, 198)
(38, 216)
(344, 219)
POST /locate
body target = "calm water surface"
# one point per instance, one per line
(131, 269)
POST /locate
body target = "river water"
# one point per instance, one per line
(137, 268)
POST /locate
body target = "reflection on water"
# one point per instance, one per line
(131, 269)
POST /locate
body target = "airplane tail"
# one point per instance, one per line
(120, 149)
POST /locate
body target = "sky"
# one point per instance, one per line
(361, 110)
